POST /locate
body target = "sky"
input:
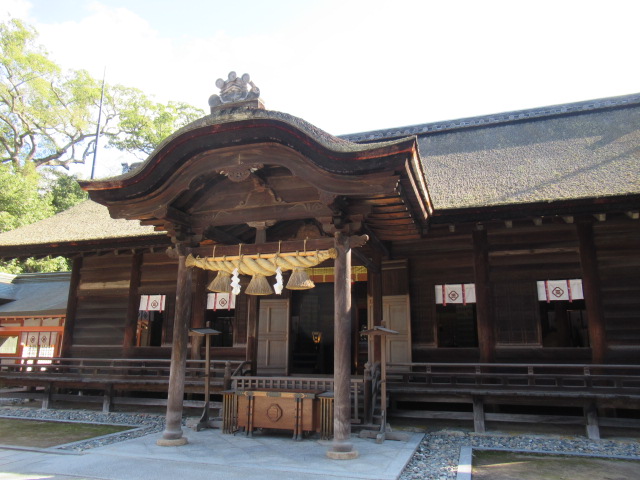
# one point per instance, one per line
(350, 66)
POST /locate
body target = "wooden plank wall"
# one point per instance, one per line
(518, 258)
(102, 306)
(618, 253)
(158, 277)
(433, 261)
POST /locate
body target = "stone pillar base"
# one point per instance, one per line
(342, 451)
(172, 442)
(342, 455)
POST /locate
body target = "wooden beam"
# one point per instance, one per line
(366, 261)
(568, 218)
(222, 236)
(592, 292)
(633, 215)
(72, 306)
(133, 304)
(601, 217)
(296, 211)
(312, 244)
(484, 318)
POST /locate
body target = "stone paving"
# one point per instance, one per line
(134, 454)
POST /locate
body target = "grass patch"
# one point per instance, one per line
(41, 434)
(494, 465)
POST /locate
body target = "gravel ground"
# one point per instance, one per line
(437, 456)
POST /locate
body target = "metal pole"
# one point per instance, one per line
(95, 147)
(204, 420)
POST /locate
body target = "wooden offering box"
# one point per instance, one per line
(295, 410)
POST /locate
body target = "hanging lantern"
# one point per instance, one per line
(300, 280)
(259, 285)
(221, 284)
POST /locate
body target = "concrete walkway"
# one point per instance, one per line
(212, 455)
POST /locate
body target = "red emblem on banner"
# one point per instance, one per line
(453, 295)
(558, 292)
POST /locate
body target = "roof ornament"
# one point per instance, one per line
(236, 91)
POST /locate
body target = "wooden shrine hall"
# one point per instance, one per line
(499, 253)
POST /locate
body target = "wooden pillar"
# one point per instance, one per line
(47, 396)
(72, 306)
(131, 322)
(484, 313)
(252, 307)
(199, 311)
(374, 291)
(592, 292)
(172, 435)
(252, 333)
(478, 415)
(591, 417)
(342, 448)
(107, 399)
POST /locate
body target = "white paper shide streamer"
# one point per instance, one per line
(279, 285)
(235, 282)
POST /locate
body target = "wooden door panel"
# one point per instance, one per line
(273, 337)
(396, 315)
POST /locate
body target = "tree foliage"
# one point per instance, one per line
(21, 199)
(26, 196)
(48, 116)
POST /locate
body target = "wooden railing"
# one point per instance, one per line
(541, 379)
(123, 370)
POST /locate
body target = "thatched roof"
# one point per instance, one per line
(585, 152)
(86, 223)
(36, 294)
(574, 151)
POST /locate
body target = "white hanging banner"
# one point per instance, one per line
(456, 293)
(152, 303)
(554, 290)
(221, 301)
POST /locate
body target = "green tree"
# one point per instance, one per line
(22, 200)
(64, 190)
(48, 116)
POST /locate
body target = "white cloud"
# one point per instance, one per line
(351, 66)
(14, 9)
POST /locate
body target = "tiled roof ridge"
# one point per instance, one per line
(492, 119)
